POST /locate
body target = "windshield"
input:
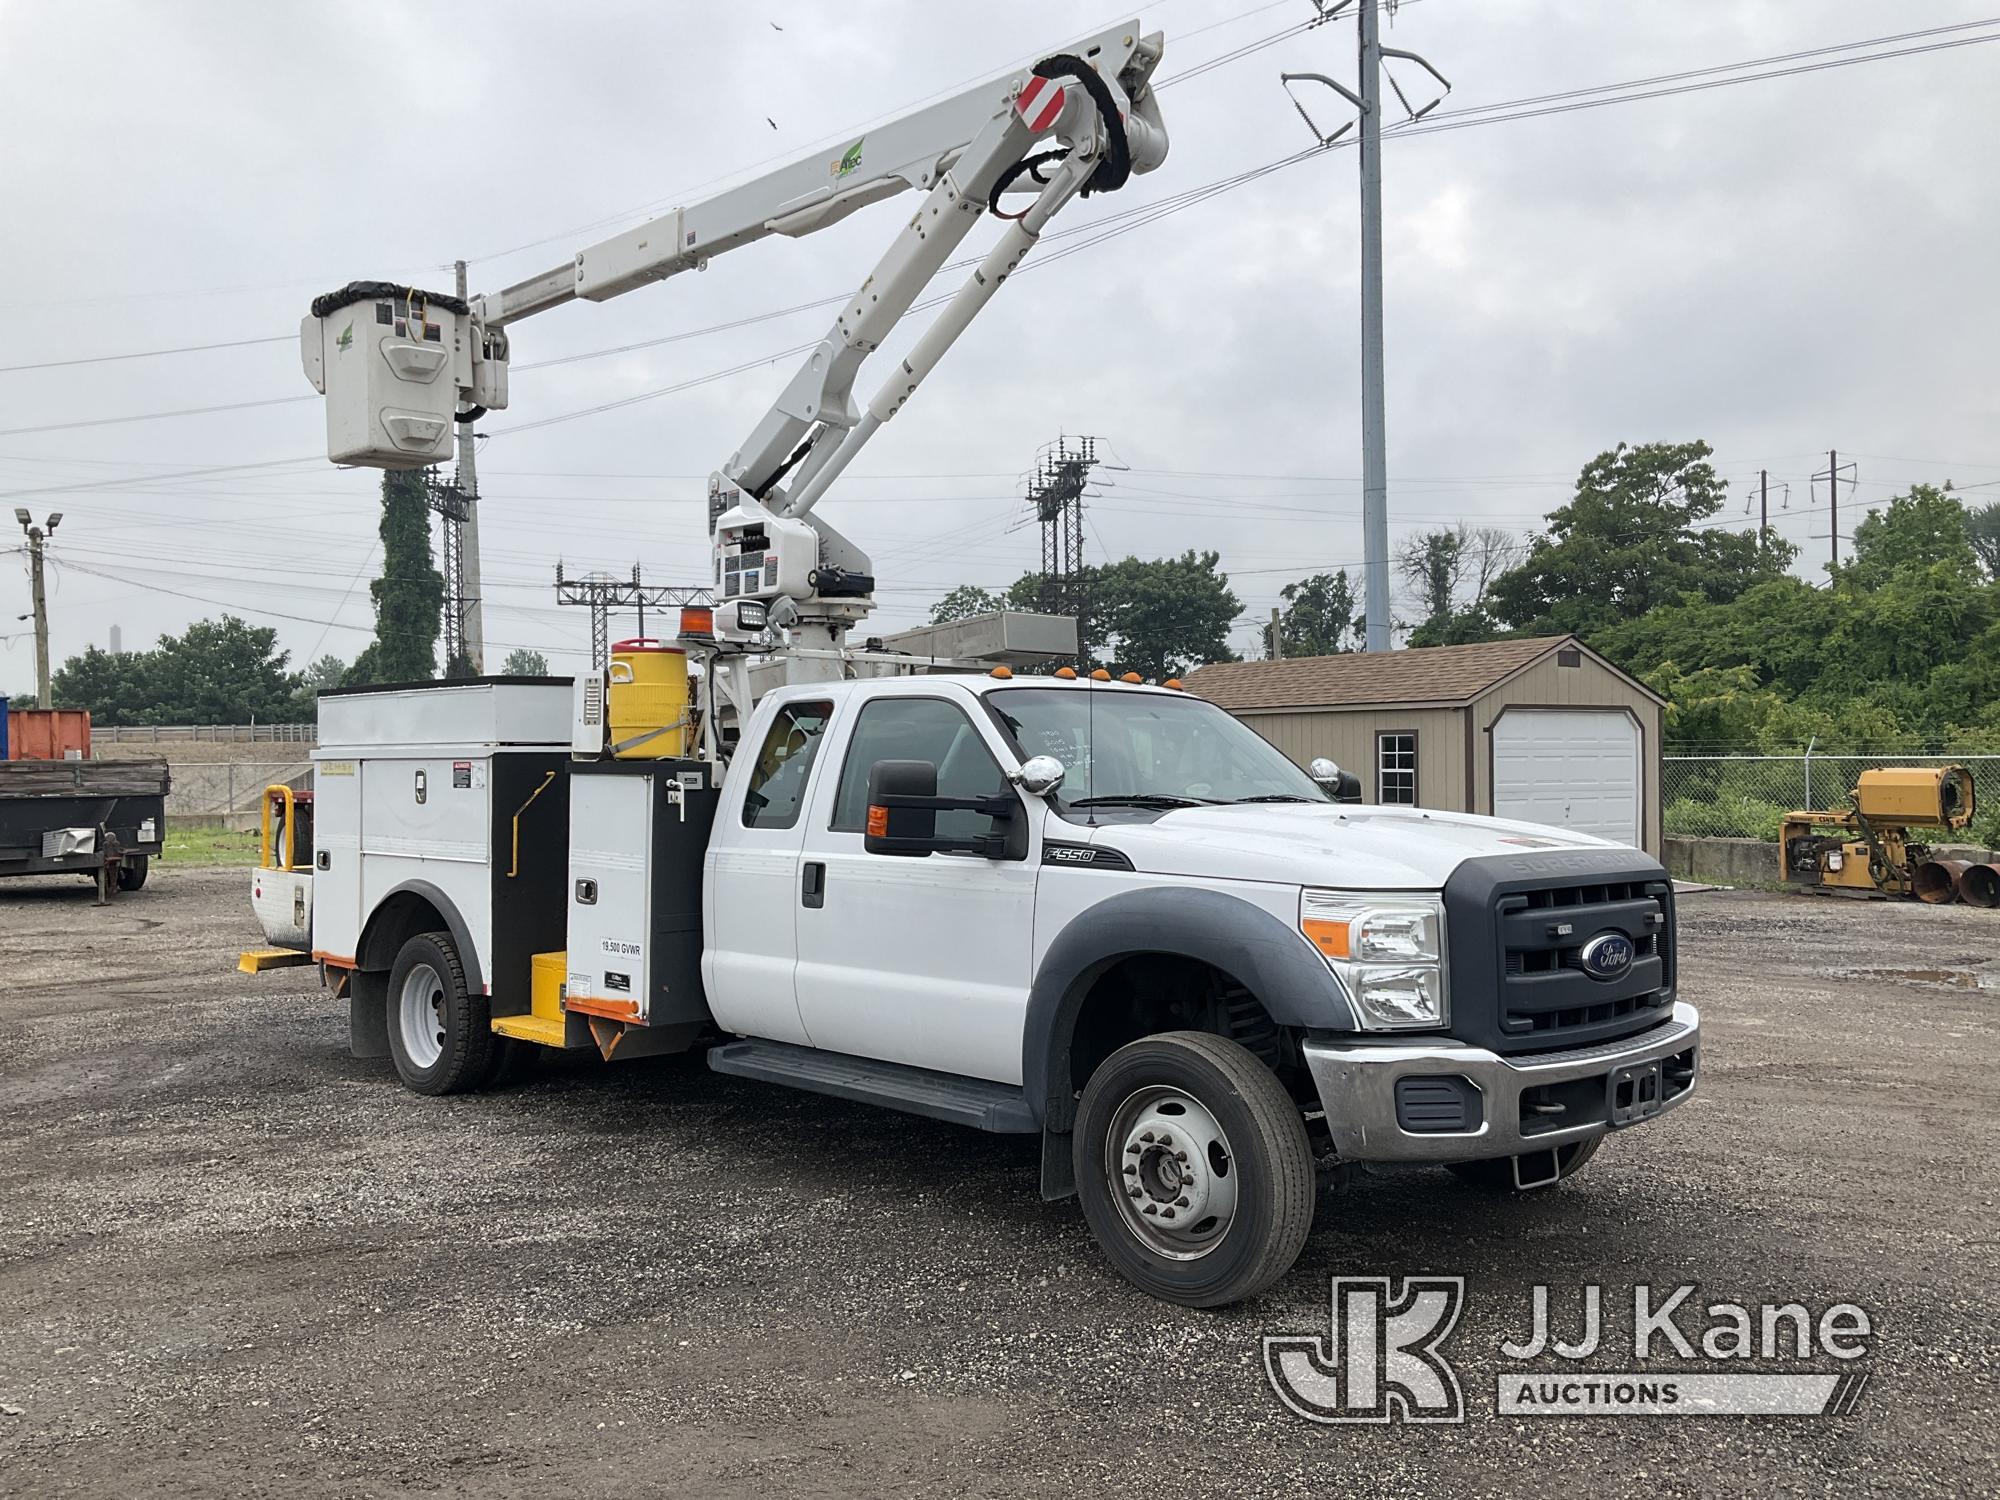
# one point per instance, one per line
(1117, 744)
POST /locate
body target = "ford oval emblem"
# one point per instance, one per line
(1609, 955)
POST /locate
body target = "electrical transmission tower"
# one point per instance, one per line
(600, 593)
(454, 510)
(1057, 497)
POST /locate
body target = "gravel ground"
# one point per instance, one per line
(234, 1261)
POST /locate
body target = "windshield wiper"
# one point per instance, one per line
(1280, 797)
(1140, 799)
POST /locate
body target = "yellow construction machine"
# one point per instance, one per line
(1866, 847)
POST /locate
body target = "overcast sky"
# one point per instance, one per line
(1779, 268)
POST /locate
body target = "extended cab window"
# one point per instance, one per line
(784, 764)
(919, 729)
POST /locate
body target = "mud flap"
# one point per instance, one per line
(1058, 1166)
(368, 1014)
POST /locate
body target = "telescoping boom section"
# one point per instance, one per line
(401, 367)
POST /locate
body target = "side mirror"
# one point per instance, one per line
(1339, 785)
(1039, 775)
(894, 824)
(903, 805)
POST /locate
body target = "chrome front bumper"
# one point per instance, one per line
(1357, 1089)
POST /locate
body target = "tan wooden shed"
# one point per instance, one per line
(1539, 728)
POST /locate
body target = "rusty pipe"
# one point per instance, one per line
(1980, 885)
(1937, 880)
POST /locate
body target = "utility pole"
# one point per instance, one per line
(1832, 478)
(1277, 643)
(600, 593)
(468, 484)
(1374, 421)
(36, 537)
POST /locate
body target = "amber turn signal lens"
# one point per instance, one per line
(878, 828)
(697, 622)
(1327, 936)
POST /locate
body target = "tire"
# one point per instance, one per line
(1496, 1173)
(132, 872)
(439, 1034)
(508, 1062)
(1193, 1116)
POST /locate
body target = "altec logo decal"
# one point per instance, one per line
(849, 161)
(346, 339)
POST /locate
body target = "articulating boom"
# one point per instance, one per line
(399, 366)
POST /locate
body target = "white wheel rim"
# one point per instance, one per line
(1171, 1172)
(420, 1012)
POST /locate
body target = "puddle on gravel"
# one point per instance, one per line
(1964, 979)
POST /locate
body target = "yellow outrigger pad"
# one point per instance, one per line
(257, 960)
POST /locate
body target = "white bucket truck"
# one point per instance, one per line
(1103, 913)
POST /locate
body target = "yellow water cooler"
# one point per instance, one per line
(648, 688)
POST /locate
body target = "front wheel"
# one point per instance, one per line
(1193, 1168)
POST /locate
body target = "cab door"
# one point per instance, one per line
(925, 961)
(750, 948)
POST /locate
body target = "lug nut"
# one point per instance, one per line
(1166, 1213)
(1153, 1209)
(1180, 1203)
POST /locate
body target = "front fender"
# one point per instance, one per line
(1246, 942)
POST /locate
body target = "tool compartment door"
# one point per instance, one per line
(610, 878)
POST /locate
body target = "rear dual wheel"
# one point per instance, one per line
(440, 1034)
(1193, 1168)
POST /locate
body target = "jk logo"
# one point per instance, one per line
(1379, 1361)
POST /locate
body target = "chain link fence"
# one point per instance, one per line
(1744, 796)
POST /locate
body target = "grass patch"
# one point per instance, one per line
(194, 847)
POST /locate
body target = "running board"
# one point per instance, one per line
(918, 1091)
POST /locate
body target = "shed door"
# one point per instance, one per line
(1574, 768)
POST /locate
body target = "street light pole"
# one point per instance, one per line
(36, 538)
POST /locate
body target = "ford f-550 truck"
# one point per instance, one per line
(1097, 912)
(1106, 914)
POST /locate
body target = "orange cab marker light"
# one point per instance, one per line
(1172, 682)
(1003, 673)
(1131, 677)
(1067, 674)
(878, 821)
(1327, 936)
(1100, 675)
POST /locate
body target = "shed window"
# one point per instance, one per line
(1396, 769)
(1569, 656)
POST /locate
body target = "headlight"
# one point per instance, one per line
(1388, 952)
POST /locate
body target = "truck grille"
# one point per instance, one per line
(1519, 983)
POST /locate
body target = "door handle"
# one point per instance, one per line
(812, 884)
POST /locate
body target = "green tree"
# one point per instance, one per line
(215, 672)
(1982, 529)
(409, 596)
(521, 662)
(116, 688)
(963, 602)
(1321, 616)
(1163, 616)
(1631, 540)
